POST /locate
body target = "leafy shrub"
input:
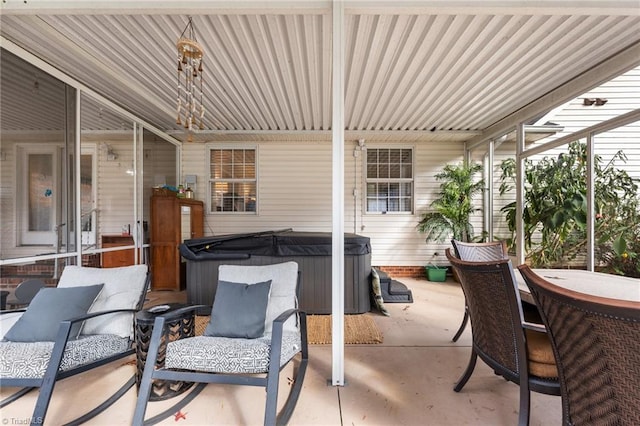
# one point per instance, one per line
(555, 210)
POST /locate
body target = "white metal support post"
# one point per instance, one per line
(76, 181)
(591, 229)
(137, 184)
(520, 193)
(490, 192)
(337, 241)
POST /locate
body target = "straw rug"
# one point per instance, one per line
(358, 329)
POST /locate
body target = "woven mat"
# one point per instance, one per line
(201, 324)
(358, 329)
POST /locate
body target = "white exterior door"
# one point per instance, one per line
(38, 188)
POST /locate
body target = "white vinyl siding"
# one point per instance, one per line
(294, 187)
(115, 187)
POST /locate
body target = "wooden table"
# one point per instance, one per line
(587, 282)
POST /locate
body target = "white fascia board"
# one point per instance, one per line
(352, 7)
(152, 7)
(499, 7)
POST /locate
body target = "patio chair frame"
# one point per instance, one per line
(269, 380)
(47, 382)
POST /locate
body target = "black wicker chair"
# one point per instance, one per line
(237, 360)
(596, 342)
(517, 350)
(477, 252)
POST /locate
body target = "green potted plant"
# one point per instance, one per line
(450, 213)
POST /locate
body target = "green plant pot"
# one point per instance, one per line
(435, 273)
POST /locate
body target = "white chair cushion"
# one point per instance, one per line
(30, 360)
(228, 355)
(122, 289)
(284, 279)
(7, 320)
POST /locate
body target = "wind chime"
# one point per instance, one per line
(190, 109)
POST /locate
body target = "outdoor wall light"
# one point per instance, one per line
(593, 101)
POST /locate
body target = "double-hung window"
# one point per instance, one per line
(389, 180)
(233, 180)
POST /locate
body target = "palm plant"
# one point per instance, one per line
(451, 212)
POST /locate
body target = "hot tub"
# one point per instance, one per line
(311, 250)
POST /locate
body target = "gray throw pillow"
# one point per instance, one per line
(50, 306)
(239, 310)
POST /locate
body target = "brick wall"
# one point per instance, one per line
(12, 275)
(403, 271)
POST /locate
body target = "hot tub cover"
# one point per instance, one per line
(270, 243)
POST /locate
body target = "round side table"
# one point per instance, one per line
(177, 328)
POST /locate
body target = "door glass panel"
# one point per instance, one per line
(41, 187)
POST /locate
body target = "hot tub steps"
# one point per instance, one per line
(394, 291)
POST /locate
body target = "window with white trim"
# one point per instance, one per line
(389, 180)
(232, 180)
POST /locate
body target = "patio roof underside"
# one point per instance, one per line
(422, 71)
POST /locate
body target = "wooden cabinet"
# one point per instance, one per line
(114, 259)
(172, 221)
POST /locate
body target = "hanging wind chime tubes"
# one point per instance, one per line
(190, 109)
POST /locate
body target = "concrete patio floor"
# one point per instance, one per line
(407, 380)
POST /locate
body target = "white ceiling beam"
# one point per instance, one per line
(499, 7)
(352, 7)
(153, 7)
(349, 134)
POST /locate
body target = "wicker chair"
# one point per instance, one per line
(477, 252)
(597, 347)
(516, 350)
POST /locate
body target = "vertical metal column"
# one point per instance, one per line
(591, 227)
(520, 193)
(337, 241)
(76, 180)
(491, 191)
